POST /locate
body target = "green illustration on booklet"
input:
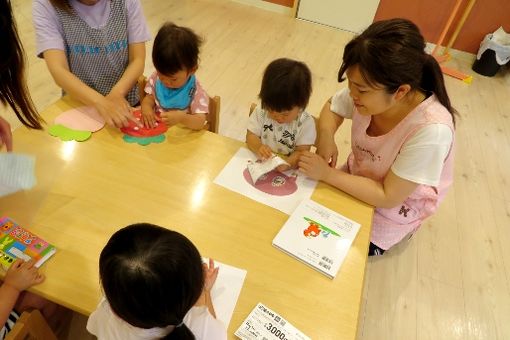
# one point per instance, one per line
(315, 229)
(18, 242)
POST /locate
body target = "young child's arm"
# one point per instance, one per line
(253, 133)
(192, 121)
(254, 143)
(20, 276)
(210, 275)
(148, 114)
(195, 116)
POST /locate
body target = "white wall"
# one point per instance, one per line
(349, 15)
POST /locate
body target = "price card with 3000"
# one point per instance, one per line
(265, 324)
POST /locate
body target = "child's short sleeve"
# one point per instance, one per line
(342, 104)
(200, 102)
(307, 132)
(150, 86)
(255, 121)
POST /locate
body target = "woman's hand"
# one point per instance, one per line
(314, 166)
(22, 275)
(328, 150)
(5, 135)
(115, 110)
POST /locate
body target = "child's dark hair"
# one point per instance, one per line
(151, 277)
(175, 48)
(392, 53)
(13, 88)
(286, 83)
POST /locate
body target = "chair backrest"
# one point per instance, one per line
(31, 326)
(213, 118)
(252, 108)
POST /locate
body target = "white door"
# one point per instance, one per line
(349, 15)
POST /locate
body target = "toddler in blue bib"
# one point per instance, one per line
(172, 92)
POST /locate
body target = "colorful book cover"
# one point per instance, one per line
(318, 236)
(18, 242)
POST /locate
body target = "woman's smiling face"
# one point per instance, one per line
(368, 99)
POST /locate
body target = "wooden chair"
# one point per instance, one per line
(252, 107)
(213, 118)
(31, 326)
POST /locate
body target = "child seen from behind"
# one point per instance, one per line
(155, 287)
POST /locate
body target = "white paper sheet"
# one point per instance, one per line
(232, 178)
(266, 324)
(226, 290)
(16, 173)
(258, 169)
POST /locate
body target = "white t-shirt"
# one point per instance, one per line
(282, 138)
(105, 325)
(421, 157)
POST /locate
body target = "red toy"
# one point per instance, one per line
(142, 131)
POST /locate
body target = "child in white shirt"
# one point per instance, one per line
(280, 125)
(155, 287)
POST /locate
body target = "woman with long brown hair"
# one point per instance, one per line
(402, 132)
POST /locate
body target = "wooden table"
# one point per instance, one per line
(88, 190)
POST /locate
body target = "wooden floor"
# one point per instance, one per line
(452, 279)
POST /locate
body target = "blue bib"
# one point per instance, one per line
(178, 99)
